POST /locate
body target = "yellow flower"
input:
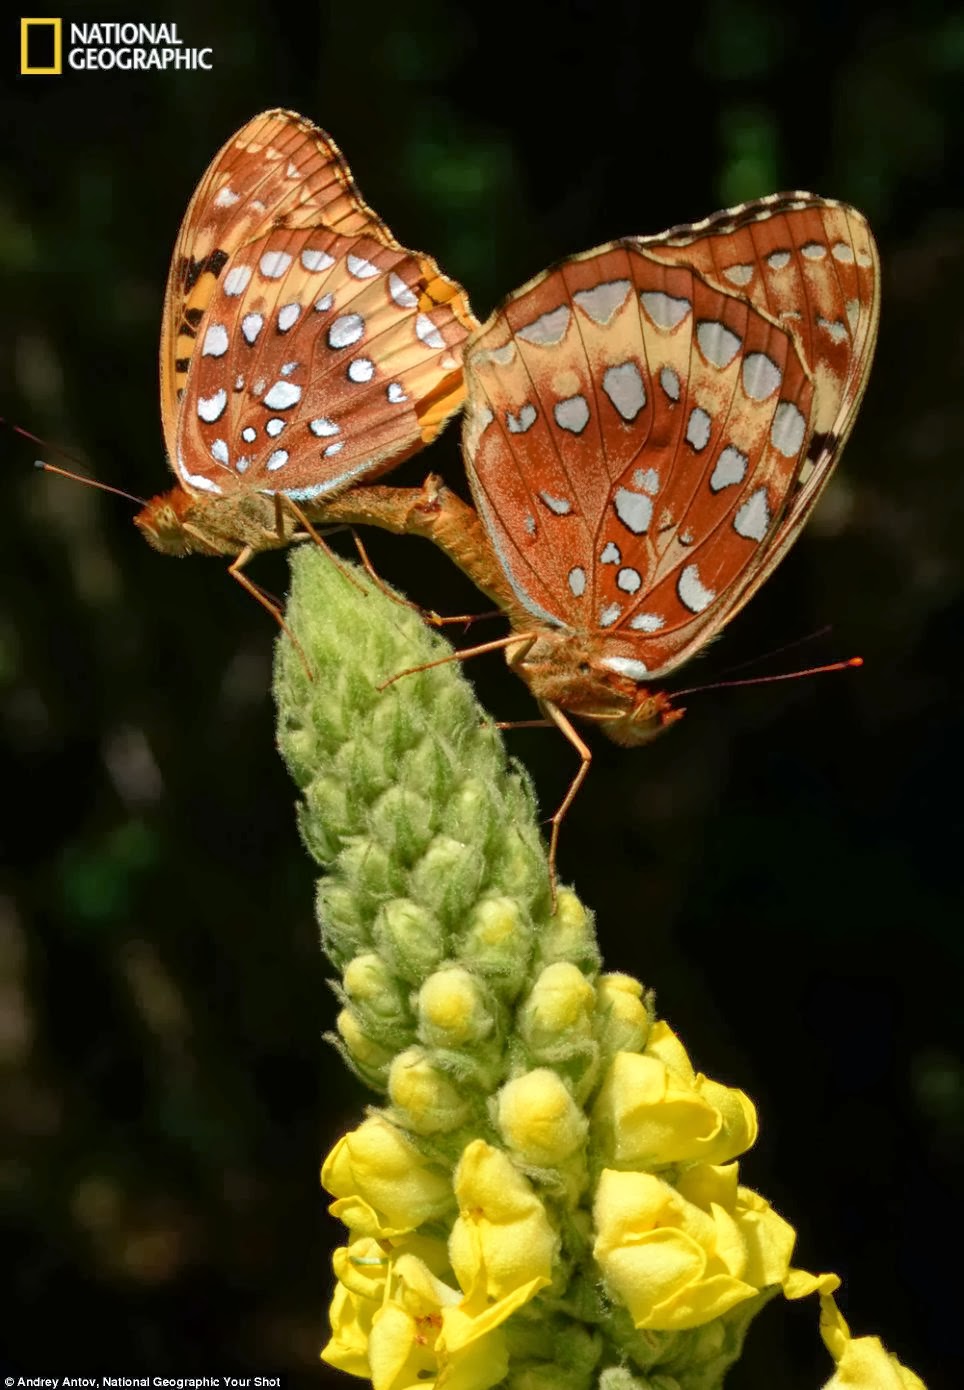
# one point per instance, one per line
(863, 1363)
(678, 1258)
(653, 1109)
(502, 1245)
(383, 1186)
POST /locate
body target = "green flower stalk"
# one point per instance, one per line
(549, 1195)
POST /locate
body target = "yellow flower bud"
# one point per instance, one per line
(368, 981)
(622, 1019)
(431, 1101)
(381, 1183)
(559, 1007)
(502, 1245)
(569, 934)
(496, 940)
(538, 1118)
(368, 1056)
(451, 1009)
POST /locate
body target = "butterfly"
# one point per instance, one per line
(302, 348)
(647, 428)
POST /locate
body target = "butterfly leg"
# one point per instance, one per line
(465, 655)
(235, 570)
(428, 615)
(565, 727)
(315, 536)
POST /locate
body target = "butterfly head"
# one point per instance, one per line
(592, 682)
(166, 524)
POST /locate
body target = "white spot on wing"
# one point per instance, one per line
(316, 260)
(251, 326)
(404, 297)
(629, 580)
(395, 393)
(335, 448)
(360, 268)
(215, 341)
(277, 460)
(602, 301)
(717, 343)
(647, 622)
(778, 260)
(559, 505)
(669, 381)
(693, 594)
(219, 451)
(739, 275)
(665, 310)
(526, 418)
(761, 377)
(249, 435)
(634, 510)
(211, 408)
(577, 581)
(427, 333)
(572, 414)
(698, 428)
(362, 369)
(273, 264)
(853, 313)
(226, 197)
(837, 330)
(626, 666)
(730, 468)
(323, 427)
(624, 387)
(788, 429)
(323, 304)
(548, 328)
(288, 316)
(345, 330)
(282, 396)
(647, 479)
(752, 520)
(237, 279)
(813, 251)
(842, 252)
(274, 426)
(610, 555)
(609, 614)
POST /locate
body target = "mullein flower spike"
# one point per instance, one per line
(549, 1195)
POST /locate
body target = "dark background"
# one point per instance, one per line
(783, 868)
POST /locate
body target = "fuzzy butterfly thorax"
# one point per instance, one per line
(177, 523)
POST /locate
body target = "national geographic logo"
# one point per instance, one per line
(105, 48)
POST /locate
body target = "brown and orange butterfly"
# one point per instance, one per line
(648, 426)
(302, 348)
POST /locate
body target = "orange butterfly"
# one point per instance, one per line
(302, 348)
(648, 426)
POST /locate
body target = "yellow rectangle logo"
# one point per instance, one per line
(51, 68)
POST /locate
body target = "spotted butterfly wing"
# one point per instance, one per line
(638, 433)
(302, 346)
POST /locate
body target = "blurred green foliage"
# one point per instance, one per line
(783, 868)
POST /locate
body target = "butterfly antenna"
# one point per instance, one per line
(66, 472)
(779, 651)
(850, 663)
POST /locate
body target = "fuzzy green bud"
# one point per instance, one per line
(496, 943)
(623, 1020)
(410, 938)
(429, 1101)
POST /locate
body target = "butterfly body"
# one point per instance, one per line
(303, 349)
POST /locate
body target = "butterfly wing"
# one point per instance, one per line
(643, 441)
(812, 264)
(279, 272)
